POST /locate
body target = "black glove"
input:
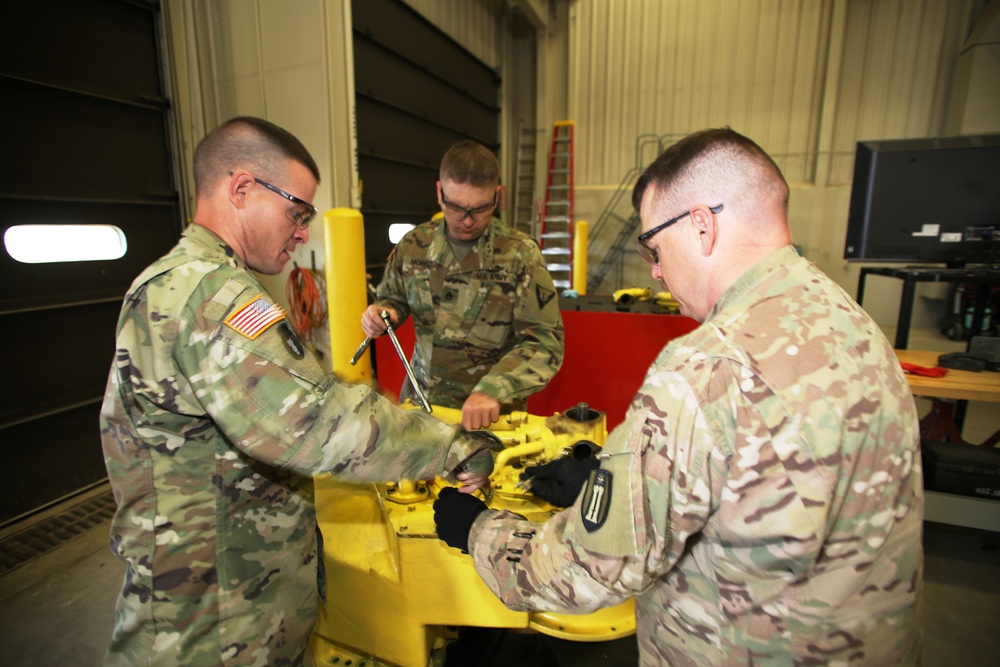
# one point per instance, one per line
(454, 513)
(559, 482)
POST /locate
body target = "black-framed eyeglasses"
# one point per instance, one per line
(650, 254)
(298, 216)
(478, 213)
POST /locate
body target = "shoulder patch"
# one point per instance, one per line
(255, 317)
(596, 499)
(291, 340)
(544, 295)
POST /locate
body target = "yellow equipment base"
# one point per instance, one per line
(396, 594)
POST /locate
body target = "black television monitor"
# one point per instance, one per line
(926, 201)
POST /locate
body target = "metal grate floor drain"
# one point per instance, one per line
(27, 545)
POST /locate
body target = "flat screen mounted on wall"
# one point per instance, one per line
(926, 201)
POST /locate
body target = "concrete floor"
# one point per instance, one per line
(59, 607)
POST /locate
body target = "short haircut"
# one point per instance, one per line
(470, 163)
(714, 164)
(251, 143)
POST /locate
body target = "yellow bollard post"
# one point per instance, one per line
(580, 231)
(347, 292)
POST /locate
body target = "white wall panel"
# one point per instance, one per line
(273, 59)
(806, 79)
(670, 67)
(898, 64)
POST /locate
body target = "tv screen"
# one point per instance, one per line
(926, 201)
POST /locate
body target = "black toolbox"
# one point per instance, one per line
(962, 469)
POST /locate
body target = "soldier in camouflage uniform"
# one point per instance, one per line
(216, 416)
(762, 500)
(485, 310)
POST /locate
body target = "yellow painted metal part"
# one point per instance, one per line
(666, 300)
(347, 296)
(395, 592)
(581, 230)
(631, 294)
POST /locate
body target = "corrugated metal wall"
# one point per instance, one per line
(474, 25)
(898, 65)
(806, 79)
(417, 92)
(671, 67)
(498, 34)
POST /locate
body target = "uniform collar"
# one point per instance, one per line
(442, 253)
(212, 245)
(753, 276)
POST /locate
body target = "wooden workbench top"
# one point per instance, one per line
(961, 385)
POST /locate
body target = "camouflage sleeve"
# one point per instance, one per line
(391, 290)
(538, 350)
(273, 402)
(628, 527)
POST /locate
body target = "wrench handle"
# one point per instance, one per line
(424, 403)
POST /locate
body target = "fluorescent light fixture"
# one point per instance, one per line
(398, 230)
(44, 244)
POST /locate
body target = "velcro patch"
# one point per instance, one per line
(492, 275)
(291, 340)
(596, 499)
(254, 318)
(544, 295)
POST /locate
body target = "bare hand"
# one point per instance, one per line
(472, 482)
(479, 411)
(372, 323)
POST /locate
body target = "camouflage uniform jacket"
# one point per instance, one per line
(765, 493)
(211, 429)
(489, 323)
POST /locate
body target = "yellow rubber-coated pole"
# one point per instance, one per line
(580, 231)
(347, 296)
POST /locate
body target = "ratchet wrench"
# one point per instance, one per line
(424, 403)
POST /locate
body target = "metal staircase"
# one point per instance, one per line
(556, 233)
(625, 216)
(523, 215)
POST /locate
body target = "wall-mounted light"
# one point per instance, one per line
(398, 230)
(42, 244)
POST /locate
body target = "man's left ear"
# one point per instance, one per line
(239, 185)
(706, 223)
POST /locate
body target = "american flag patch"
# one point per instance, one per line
(254, 318)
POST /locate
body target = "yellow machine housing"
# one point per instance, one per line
(396, 594)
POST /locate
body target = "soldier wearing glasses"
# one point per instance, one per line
(484, 308)
(216, 418)
(762, 500)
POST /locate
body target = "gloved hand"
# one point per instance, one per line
(454, 513)
(559, 482)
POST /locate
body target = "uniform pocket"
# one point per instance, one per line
(615, 525)
(491, 313)
(420, 296)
